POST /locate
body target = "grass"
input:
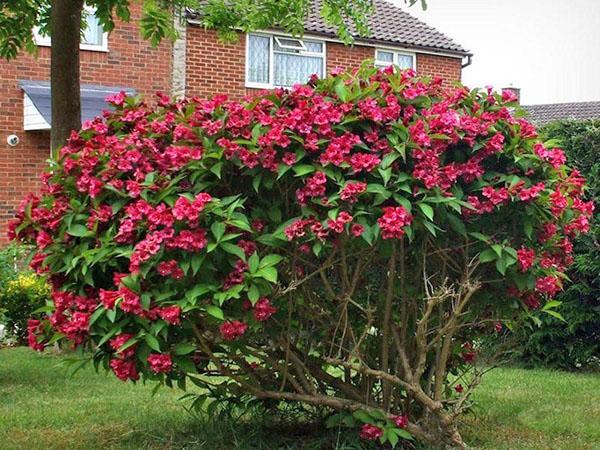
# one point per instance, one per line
(42, 408)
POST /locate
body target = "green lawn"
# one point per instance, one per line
(41, 408)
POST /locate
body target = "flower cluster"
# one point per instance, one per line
(394, 219)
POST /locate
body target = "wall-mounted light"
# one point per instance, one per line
(12, 140)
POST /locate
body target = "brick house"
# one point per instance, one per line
(196, 64)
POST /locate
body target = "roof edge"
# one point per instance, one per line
(332, 37)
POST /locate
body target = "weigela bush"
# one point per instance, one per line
(338, 244)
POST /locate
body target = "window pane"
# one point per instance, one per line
(405, 61)
(93, 33)
(292, 69)
(314, 47)
(258, 59)
(385, 57)
(292, 44)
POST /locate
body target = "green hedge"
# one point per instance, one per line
(576, 345)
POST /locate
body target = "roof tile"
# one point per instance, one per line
(388, 24)
(542, 114)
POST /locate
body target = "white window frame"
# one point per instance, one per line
(274, 39)
(45, 41)
(395, 52)
(280, 39)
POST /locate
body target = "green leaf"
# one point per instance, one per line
(457, 224)
(152, 342)
(253, 262)
(215, 311)
(479, 236)
(253, 294)
(218, 230)
(362, 416)
(403, 433)
(555, 314)
(233, 249)
(216, 169)
(303, 169)
(270, 260)
(430, 227)
(341, 90)
(386, 174)
(501, 265)
(488, 255)
(551, 305)
(268, 273)
(79, 231)
(375, 188)
(393, 438)
(427, 210)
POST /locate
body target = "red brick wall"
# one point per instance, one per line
(214, 67)
(130, 62)
(339, 55)
(448, 68)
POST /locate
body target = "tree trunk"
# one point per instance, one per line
(65, 19)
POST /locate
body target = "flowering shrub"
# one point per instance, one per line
(21, 293)
(339, 244)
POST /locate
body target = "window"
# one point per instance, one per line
(385, 58)
(93, 36)
(282, 61)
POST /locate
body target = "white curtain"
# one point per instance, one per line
(93, 33)
(291, 69)
(405, 61)
(258, 59)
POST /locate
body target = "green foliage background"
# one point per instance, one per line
(21, 293)
(576, 344)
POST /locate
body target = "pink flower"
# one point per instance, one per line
(370, 432)
(351, 191)
(289, 158)
(556, 157)
(166, 268)
(532, 192)
(357, 229)
(558, 202)
(468, 353)
(160, 362)
(43, 239)
(392, 222)
(459, 388)
(124, 369)
(496, 196)
(109, 298)
(338, 224)
(526, 257)
(548, 285)
(364, 161)
(263, 309)
(170, 314)
(314, 187)
(401, 421)
(117, 99)
(117, 342)
(232, 330)
(33, 327)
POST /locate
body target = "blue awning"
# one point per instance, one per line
(38, 114)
